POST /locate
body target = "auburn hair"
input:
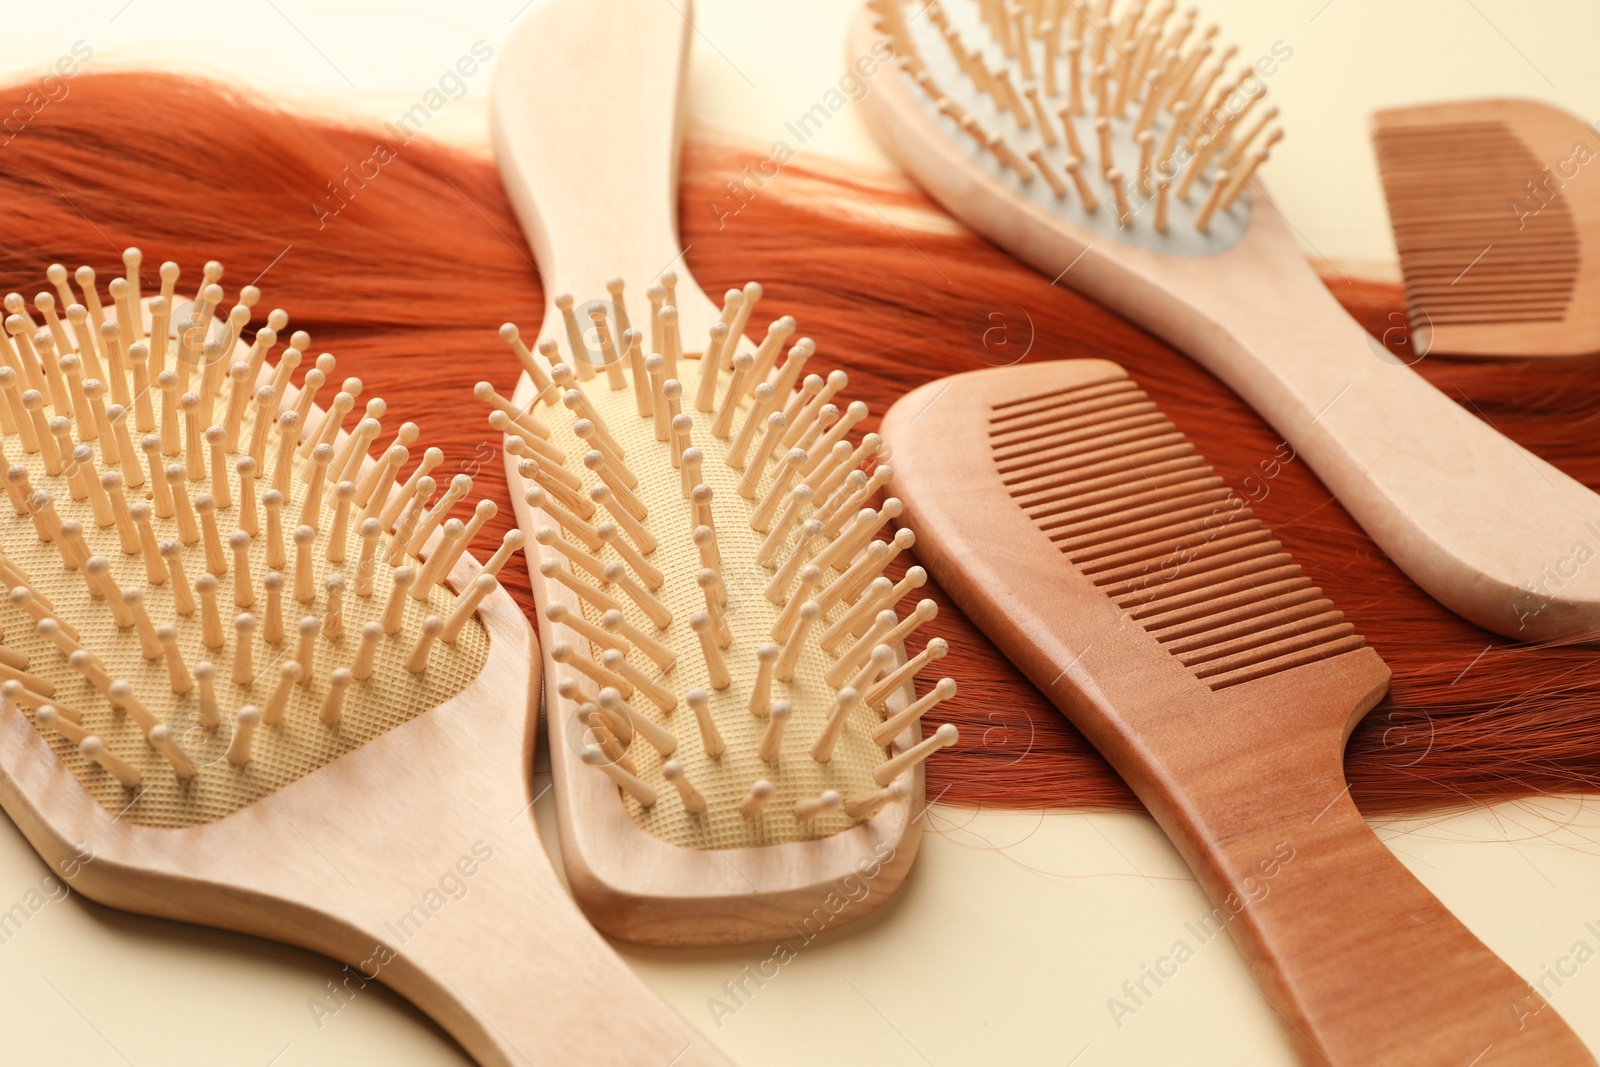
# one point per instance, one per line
(403, 258)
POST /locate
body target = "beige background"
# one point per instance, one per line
(1014, 929)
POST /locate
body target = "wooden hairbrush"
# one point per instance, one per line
(1084, 534)
(1139, 199)
(253, 680)
(720, 640)
(1491, 219)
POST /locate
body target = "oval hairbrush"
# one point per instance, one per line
(253, 680)
(1143, 198)
(735, 740)
(1082, 532)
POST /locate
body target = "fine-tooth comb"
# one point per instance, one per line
(252, 679)
(1491, 208)
(1124, 174)
(720, 639)
(1082, 532)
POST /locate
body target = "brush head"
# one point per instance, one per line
(1122, 122)
(1083, 532)
(706, 556)
(1490, 204)
(160, 591)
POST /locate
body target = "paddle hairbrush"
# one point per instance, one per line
(1491, 220)
(1106, 147)
(721, 640)
(253, 680)
(1083, 533)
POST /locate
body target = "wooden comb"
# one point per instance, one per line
(707, 564)
(1085, 535)
(1491, 209)
(317, 727)
(1144, 200)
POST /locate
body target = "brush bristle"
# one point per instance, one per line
(1135, 508)
(209, 596)
(1127, 120)
(709, 556)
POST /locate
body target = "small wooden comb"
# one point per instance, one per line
(704, 548)
(1160, 131)
(344, 763)
(1492, 203)
(1085, 535)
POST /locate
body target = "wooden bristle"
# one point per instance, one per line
(1137, 112)
(139, 462)
(688, 572)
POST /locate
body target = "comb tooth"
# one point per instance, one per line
(1022, 442)
(1284, 625)
(1096, 497)
(1287, 640)
(1227, 549)
(1287, 661)
(1007, 424)
(1246, 600)
(1070, 476)
(1116, 557)
(1079, 442)
(1147, 510)
(1015, 416)
(1179, 553)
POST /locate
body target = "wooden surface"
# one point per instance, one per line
(586, 117)
(1472, 518)
(1364, 965)
(1495, 225)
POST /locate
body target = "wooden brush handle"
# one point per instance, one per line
(413, 859)
(1365, 965)
(452, 901)
(1470, 516)
(585, 117)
